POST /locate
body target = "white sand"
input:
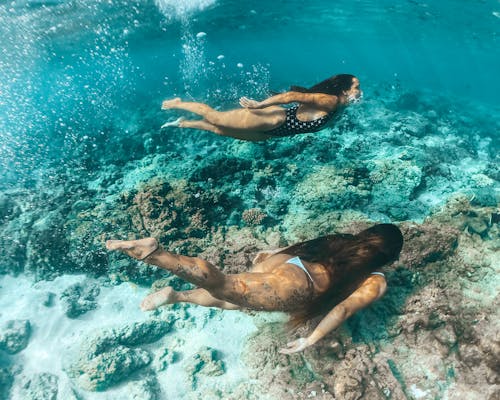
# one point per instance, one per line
(55, 337)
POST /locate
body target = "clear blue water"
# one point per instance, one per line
(82, 159)
(73, 72)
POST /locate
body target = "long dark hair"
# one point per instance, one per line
(349, 260)
(334, 85)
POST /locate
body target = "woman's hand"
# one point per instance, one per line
(295, 346)
(249, 103)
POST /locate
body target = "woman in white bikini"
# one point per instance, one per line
(334, 276)
(261, 120)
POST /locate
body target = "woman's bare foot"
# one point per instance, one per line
(157, 299)
(168, 104)
(177, 123)
(138, 249)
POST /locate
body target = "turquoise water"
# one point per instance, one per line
(72, 69)
(82, 159)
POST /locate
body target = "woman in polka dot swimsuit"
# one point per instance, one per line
(261, 120)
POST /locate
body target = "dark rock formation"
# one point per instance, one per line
(14, 336)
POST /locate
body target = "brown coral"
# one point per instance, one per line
(253, 216)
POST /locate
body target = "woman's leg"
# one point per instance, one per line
(194, 270)
(259, 120)
(206, 126)
(199, 296)
(197, 108)
(283, 289)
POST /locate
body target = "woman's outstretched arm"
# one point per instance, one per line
(371, 289)
(320, 100)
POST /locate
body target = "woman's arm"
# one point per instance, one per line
(320, 100)
(371, 289)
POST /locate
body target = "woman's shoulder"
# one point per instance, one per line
(328, 102)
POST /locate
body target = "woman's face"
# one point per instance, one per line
(354, 94)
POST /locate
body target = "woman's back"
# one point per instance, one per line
(349, 259)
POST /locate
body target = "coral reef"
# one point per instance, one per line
(253, 216)
(426, 163)
(380, 161)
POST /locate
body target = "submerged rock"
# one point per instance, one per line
(145, 389)
(109, 368)
(43, 386)
(47, 248)
(130, 335)
(330, 188)
(6, 380)
(112, 356)
(164, 358)
(394, 182)
(427, 242)
(207, 361)
(79, 298)
(9, 208)
(282, 377)
(15, 335)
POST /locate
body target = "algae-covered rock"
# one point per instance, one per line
(134, 334)
(177, 209)
(283, 377)
(329, 188)
(9, 208)
(79, 298)
(42, 386)
(14, 232)
(15, 335)
(394, 182)
(217, 168)
(47, 248)
(207, 362)
(6, 380)
(142, 332)
(460, 213)
(164, 358)
(109, 368)
(427, 242)
(145, 389)
(112, 356)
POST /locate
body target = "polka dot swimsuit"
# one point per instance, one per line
(293, 125)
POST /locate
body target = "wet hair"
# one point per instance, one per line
(334, 85)
(349, 259)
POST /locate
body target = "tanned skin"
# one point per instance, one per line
(256, 117)
(271, 285)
